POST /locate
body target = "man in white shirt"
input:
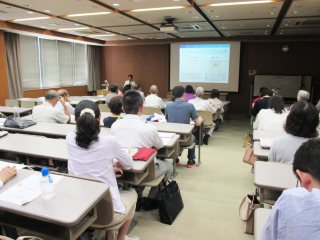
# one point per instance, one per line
(65, 95)
(6, 174)
(153, 100)
(130, 81)
(47, 112)
(296, 214)
(201, 104)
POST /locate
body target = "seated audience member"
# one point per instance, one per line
(303, 96)
(215, 101)
(301, 125)
(92, 155)
(189, 93)
(114, 91)
(65, 95)
(135, 133)
(6, 174)
(201, 104)
(129, 81)
(181, 112)
(47, 112)
(272, 118)
(126, 88)
(138, 88)
(318, 106)
(263, 102)
(153, 100)
(258, 98)
(296, 214)
(115, 106)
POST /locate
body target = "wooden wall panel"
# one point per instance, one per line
(4, 92)
(150, 65)
(73, 91)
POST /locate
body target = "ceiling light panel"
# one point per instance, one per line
(199, 34)
(60, 7)
(253, 11)
(261, 32)
(132, 29)
(245, 24)
(298, 31)
(152, 36)
(11, 13)
(313, 22)
(139, 4)
(111, 38)
(304, 8)
(181, 15)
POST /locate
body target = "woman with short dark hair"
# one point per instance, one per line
(188, 93)
(301, 125)
(92, 155)
(272, 118)
(115, 106)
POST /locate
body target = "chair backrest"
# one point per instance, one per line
(216, 115)
(12, 103)
(27, 104)
(151, 110)
(207, 118)
(105, 212)
(104, 108)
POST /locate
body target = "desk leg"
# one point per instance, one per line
(200, 143)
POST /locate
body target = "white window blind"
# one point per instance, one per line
(51, 63)
(29, 52)
(65, 63)
(80, 59)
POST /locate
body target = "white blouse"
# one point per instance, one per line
(97, 162)
(267, 119)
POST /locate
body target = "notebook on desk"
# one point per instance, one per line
(266, 143)
(144, 154)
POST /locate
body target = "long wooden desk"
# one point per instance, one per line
(259, 152)
(257, 134)
(12, 110)
(56, 149)
(34, 100)
(67, 215)
(273, 176)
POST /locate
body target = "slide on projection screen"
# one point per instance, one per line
(210, 65)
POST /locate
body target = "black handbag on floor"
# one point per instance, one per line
(170, 202)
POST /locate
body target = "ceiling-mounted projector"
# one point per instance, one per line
(168, 26)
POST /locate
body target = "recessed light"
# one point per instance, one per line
(295, 12)
(115, 4)
(77, 24)
(195, 17)
(88, 14)
(157, 9)
(239, 3)
(223, 27)
(129, 38)
(271, 13)
(73, 29)
(30, 12)
(268, 25)
(176, 0)
(47, 11)
(102, 35)
(286, 24)
(30, 19)
(216, 16)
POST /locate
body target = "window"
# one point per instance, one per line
(52, 63)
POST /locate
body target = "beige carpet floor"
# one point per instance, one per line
(211, 192)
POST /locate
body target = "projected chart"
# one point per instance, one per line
(205, 63)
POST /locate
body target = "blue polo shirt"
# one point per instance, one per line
(180, 111)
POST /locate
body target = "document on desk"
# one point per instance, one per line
(166, 140)
(266, 142)
(166, 134)
(26, 191)
(4, 164)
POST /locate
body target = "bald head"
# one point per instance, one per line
(153, 89)
(63, 93)
(52, 97)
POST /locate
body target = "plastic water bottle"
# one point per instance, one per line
(16, 114)
(46, 184)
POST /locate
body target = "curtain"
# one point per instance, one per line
(93, 64)
(12, 46)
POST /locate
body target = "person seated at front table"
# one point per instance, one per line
(138, 88)
(201, 104)
(272, 118)
(296, 214)
(130, 81)
(133, 132)
(65, 95)
(47, 112)
(115, 106)
(153, 100)
(181, 112)
(301, 125)
(114, 89)
(6, 174)
(92, 155)
(188, 93)
(263, 102)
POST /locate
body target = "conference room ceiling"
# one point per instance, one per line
(133, 20)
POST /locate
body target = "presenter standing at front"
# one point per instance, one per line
(130, 81)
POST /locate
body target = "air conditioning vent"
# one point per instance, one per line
(189, 28)
(311, 23)
(87, 31)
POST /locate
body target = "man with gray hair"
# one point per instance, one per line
(65, 95)
(201, 104)
(153, 100)
(47, 112)
(303, 96)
